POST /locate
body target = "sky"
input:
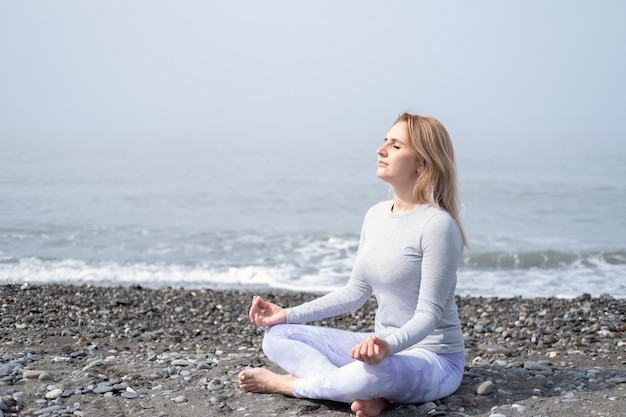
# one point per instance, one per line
(207, 66)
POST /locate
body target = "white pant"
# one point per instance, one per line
(320, 358)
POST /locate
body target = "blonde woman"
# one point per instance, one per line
(408, 256)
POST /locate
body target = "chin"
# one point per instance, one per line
(382, 176)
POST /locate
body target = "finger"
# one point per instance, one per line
(261, 304)
(256, 301)
(377, 348)
(256, 309)
(253, 309)
(355, 352)
(364, 352)
(371, 347)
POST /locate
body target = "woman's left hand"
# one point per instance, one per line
(371, 351)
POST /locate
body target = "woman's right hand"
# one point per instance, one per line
(263, 313)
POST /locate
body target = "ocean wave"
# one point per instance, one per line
(158, 275)
(531, 275)
(548, 259)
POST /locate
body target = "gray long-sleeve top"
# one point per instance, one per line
(409, 262)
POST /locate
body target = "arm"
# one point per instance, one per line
(442, 246)
(349, 298)
(343, 300)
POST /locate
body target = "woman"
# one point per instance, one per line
(408, 255)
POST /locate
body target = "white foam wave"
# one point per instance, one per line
(76, 272)
(570, 282)
(595, 276)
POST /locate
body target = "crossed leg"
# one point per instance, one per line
(264, 381)
(319, 366)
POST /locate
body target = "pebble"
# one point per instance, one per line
(426, 408)
(215, 384)
(19, 397)
(485, 388)
(103, 389)
(54, 394)
(50, 409)
(145, 354)
(129, 393)
(617, 380)
(33, 374)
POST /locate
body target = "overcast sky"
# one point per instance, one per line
(171, 66)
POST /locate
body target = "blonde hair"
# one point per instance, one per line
(437, 181)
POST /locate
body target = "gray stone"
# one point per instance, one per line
(103, 389)
(485, 388)
(19, 397)
(50, 409)
(45, 376)
(215, 384)
(426, 408)
(617, 380)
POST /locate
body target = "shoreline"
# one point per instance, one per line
(89, 351)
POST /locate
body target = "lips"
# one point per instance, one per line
(382, 164)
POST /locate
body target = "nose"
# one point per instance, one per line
(381, 151)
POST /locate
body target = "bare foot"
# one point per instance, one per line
(369, 408)
(263, 381)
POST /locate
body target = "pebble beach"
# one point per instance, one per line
(132, 351)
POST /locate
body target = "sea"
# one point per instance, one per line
(545, 214)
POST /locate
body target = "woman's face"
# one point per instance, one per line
(397, 163)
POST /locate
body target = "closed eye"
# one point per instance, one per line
(394, 141)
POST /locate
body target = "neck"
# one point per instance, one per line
(404, 202)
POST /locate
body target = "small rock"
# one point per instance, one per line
(495, 349)
(44, 376)
(5, 370)
(54, 394)
(32, 373)
(129, 393)
(203, 365)
(18, 396)
(426, 408)
(50, 409)
(102, 389)
(215, 384)
(485, 388)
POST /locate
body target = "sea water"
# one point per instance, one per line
(544, 214)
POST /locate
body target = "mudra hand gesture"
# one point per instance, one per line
(371, 351)
(263, 313)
